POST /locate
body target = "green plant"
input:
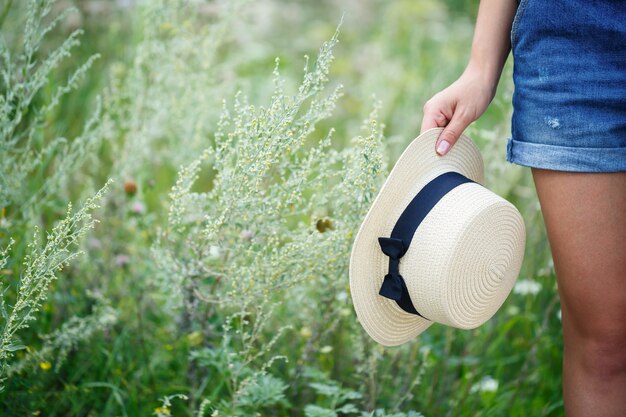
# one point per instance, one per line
(26, 185)
(36, 164)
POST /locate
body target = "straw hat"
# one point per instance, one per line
(448, 255)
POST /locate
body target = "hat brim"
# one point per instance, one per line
(381, 317)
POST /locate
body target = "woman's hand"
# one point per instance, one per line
(457, 106)
(468, 97)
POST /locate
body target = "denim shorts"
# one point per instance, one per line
(569, 72)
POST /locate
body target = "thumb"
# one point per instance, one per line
(451, 134)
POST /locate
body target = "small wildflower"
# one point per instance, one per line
(167, 28)
(214, 251)
(130, 187)
(306, 332)
(122, 260)
(162, 411)
(194, 338)
(94, 243)
(246, 234)
(138, 207)
(526, 287)
(486, 384)
(326, 349)
(118, 69)
(425, 350)
(342, 296)
(45, 365)
(4, 223)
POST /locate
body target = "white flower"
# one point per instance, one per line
(527, 286)
(342, 296)
(486, 384)
(4, 223)
(214, 251)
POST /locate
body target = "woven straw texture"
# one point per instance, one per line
(463, 260)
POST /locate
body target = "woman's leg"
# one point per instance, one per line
(585, 217)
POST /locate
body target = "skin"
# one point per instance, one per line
(585, 218)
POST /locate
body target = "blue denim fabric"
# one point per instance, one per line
(569, 103)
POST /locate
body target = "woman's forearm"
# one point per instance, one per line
(492, 42)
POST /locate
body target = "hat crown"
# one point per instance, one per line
(464, 257)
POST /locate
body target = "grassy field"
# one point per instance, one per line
(218, 158)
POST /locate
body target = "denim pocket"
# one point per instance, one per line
(516, 20)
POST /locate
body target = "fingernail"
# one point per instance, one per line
(443, 147)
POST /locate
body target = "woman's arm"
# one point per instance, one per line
(467, 98)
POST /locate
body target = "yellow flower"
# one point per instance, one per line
(194, 338)
(45, 365)
(162, 411)
(306, 332)
(167, 27)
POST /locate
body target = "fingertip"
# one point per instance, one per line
(445, 141)
(443, 147)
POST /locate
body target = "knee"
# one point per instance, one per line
(602, 351)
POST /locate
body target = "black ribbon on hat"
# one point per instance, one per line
(396, 246)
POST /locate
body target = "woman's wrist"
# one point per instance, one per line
(487, 75)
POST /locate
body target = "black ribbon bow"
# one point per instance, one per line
(394, 286)
(396, 246)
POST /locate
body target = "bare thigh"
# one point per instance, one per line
(585, 217)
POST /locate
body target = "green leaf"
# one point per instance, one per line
(325, 389)
(315, 411)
